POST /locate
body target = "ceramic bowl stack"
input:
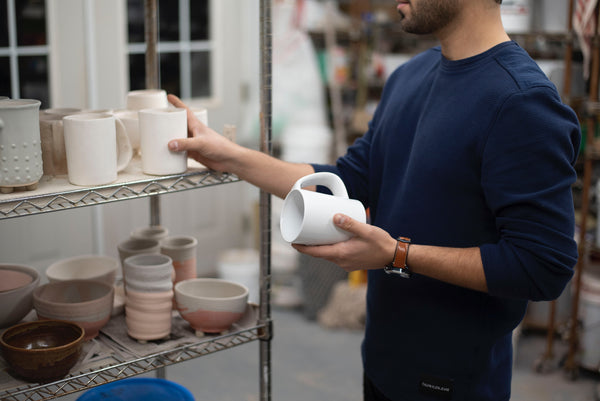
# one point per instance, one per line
(148, 296)
(210, 305)
(17, 283)
(88, 303)
(42, 351)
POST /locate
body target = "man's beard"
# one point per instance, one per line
(429, 16)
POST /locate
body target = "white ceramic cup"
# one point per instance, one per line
(157, 128)
(97, 148)
(148, 272)
(307, 216)
(147, 99)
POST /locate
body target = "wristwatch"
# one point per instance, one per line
(398, 264)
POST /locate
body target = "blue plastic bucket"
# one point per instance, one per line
(142, 389)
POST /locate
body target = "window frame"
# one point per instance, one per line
(185, 47)
(13, 51)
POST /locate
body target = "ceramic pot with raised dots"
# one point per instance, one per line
(20, 146)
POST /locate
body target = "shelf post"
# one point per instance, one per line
(266, 51)
(152, 78)
(572, 364)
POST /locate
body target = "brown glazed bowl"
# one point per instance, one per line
(42, 351)
(85, 302)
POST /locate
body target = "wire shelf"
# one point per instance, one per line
(118, 371)
(56, 193)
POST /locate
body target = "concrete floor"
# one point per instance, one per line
(312, 363)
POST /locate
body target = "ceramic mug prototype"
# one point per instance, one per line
(307, 216)
(157, 128)
(97, 148)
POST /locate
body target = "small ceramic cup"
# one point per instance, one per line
(157, 128)
(182, 250)
(148, 272)
(151, 232)
(148, 314)
(136, 246)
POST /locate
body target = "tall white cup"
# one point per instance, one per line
(97, 148)
(307, 216)
(157, 128)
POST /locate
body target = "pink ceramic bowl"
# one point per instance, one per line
(85, 302)
(85, 267)
(17, 283)
(210, 305)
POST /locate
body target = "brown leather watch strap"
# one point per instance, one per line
(401, 253)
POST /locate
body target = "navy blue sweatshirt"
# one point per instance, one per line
(474, 152)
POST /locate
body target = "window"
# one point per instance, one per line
(24, 50)
(185, 47)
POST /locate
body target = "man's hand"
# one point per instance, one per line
(369, 248)
(202, 144)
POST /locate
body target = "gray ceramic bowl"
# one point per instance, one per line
(85, 302)
(17, 283)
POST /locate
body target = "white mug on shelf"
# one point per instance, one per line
(97, 148)
(307, 216)
(157, 128)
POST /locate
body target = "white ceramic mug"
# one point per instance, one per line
(147, 99)
(307, 216)
(97, 148)
(157, 128)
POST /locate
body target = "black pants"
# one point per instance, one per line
(370, 392)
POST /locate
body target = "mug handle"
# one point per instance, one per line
(329, 180)
(124, 149)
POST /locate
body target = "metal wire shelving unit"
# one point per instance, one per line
(56, 195)
(112, 372)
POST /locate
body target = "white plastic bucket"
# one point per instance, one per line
(590, 315)
(241, 266)
(516, 15)
(306, 144)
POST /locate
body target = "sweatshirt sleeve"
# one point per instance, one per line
(527, 173)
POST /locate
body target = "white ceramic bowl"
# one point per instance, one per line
(210, 305)
(16, 292)
(85, 267)
(88, 303)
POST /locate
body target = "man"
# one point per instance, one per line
(470, 155)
